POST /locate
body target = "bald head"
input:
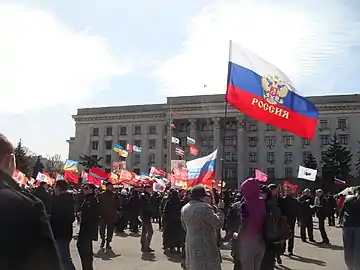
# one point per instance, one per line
(7, 157)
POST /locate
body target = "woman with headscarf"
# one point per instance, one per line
(249, 239)
(173, 231)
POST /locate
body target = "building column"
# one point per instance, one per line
(218, 144)
(241, 150)
(115, 139)
(144, 157)
(130, 159)
(101, 151)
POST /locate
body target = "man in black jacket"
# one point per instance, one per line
(145, 214)
(26, 239)
(289, 208)
(41, 192)
(62, 218)
(351, 230)
(306, 215)
(322, 212)
(89, 223)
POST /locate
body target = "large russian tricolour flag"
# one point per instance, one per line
(202, 169)
(261, 91)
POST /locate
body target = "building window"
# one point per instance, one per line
(95, 132)
(109, 131)
(152, 158)
(182, 127)
(227, 156)
(230, 173)
(252, 126)
(306, 155)
(137, 130)
(233, 140)
(137, 143)
(165, 143)
(253, 141)
(211, 140)
(288, 172)
(108, 159)
(288, 157)
(270, 172)
(152, 144)
(234, 126)
(227, 140)
(204, 126)
(108, 145)
(122, 130)
(288, 139)
(233, 156)
(324, 140)
(94, 145)
(165, 158)
(270, 141)
(136, 159)
(342, 124)
(252, 157)
(324, 124)
(269, 127)
(270, 157)
(306, 142)
(152, 129)
(251, 172)
(122, 143)
(343, 139)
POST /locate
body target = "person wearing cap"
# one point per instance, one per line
(201, 223)
(26, 239)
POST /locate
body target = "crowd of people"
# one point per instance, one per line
(258, 221)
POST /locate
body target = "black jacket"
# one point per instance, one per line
(289, 207)
(145, 206)
(62, 215)
(89, 218)
(305, 209)
(350, 212)
(26, 239)
(44, 196)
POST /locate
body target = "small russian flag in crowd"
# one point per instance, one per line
(339, 182)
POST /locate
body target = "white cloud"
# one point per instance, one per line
(44, 62)
(297, 37)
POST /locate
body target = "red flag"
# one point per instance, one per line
(287, 184)
(180, 174)
(193, 151)
(259, 175)
(95, 172)
(71, 177)
(154, 171)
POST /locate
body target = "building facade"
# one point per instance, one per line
(244, 144)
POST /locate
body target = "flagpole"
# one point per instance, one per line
(225, 117)
(170, 137)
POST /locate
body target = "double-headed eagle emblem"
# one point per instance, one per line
(275, 90)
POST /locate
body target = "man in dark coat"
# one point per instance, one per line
(145, 214)
(41, 192)
(62, 218)
(89, 223)
(306, 215)
(108, 204)
(290, 209)
(322, 212)
(26, 239)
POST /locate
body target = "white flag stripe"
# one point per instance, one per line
(307, 174)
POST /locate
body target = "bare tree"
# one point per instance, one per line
(54, 164)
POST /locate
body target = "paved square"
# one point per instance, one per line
(128, 256)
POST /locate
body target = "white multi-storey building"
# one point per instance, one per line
(243, 145)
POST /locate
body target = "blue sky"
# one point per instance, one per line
(57, 56)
